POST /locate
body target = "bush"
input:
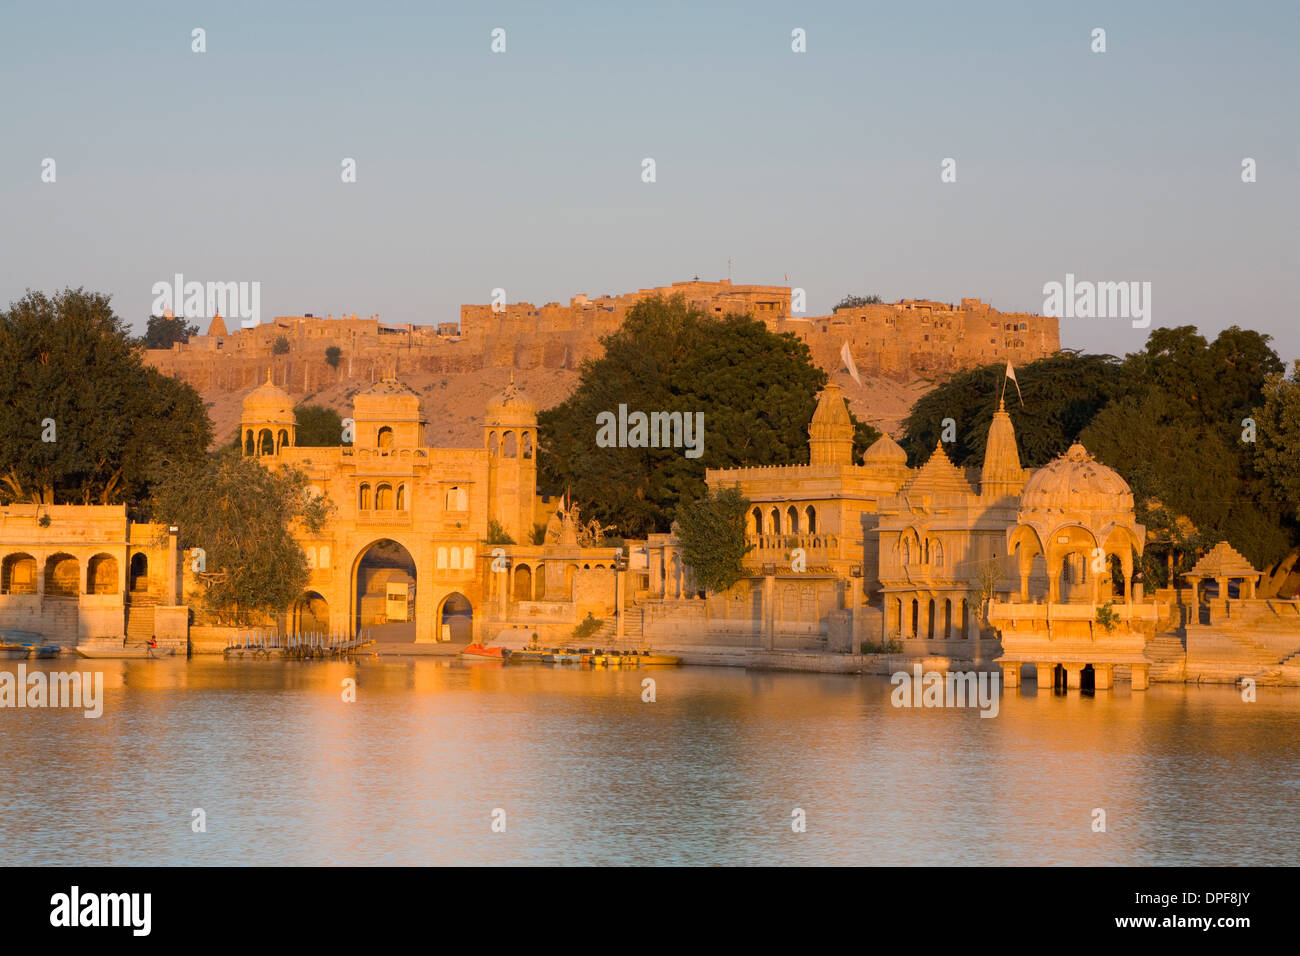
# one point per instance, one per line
(281, 346)
(587, 628)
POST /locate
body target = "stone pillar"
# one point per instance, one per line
(83, 569)
(769, 607)
(1011, 675)
(1046, 675)
(1103, 676)
(503, 589)
(1073, 676)
(171, 567)
(620, 584)
(1141, 676)
(1024, 586)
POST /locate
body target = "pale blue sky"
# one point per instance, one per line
(522, 170)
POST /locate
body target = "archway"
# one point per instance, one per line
(384, 592)
(1088, 679)
(62, 576)
(456, 619)
(18, 575)
(523, 583)
(139, 578)
(312, 614)
(101, 575)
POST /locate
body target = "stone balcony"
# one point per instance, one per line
(820, 549)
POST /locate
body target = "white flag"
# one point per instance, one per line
(1011, 374)
(847, 356)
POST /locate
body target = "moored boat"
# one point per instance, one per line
(112, 651)
(480, 652)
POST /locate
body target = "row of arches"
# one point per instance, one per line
(508, 445)
(20, 573)
(930, 618)
(912, 549)
(265, 441)
(790, 521)
(384, 497)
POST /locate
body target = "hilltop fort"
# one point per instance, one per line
(901, 341)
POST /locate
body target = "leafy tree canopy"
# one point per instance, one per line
(317, 426)
(854, 301)
(84, 420)
(712, 532)
(756, 389)
(240, 514)
(162, 332)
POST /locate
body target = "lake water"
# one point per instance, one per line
(586, 772)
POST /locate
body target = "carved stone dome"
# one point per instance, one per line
(268, 403)
(511, 406)
(1076, 482)
(884, 451)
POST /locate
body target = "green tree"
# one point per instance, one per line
(497, 534)
(856, 301)
(1062, 394)
(241, 515)
(332, 356)
(1276, 456)
(756, 389)
(161, 332)
(317, 427)
(280, 346)
(84, 420)
(712, 532)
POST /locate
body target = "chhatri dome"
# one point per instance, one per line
(885, 452)
(1076, 481)
(511, 407)
(268, 404)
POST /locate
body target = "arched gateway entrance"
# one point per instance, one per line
(384, 599)
(456, 619)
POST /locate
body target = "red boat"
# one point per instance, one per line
(479, 652)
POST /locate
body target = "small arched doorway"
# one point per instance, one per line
(312, 614)
(456, 619)
(139, 580)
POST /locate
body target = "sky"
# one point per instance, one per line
(522, 170)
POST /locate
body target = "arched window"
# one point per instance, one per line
(937, 555)
(401, 497)
(455, 559)
(265, 442)
(384, 498)
(248, 443)
(284, 438)
(492, 444)
(311, 557)
(907, 551)
(757, 515)
(776, 521)
(508, 445)
(385, 439)
(528, 444)
(457, 499)
(324, 560)
(442, 558)
(363, 500)
(468, 557)
(792, 518)
(811, 514)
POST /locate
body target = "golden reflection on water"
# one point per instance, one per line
(288, 772)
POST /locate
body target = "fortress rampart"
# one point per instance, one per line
(902, 340)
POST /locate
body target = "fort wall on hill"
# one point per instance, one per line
(902, 340)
